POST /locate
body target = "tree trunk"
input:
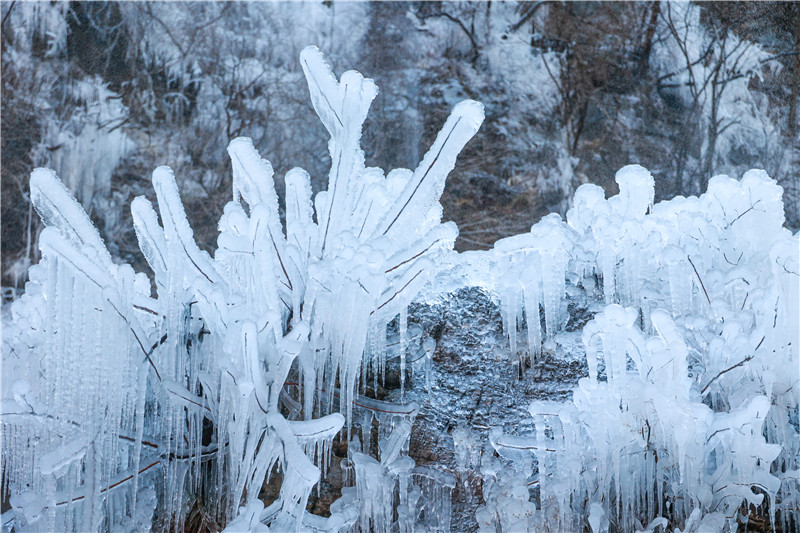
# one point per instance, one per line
(712, 133)
(647, 43)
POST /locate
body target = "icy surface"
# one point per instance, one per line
(475, 384)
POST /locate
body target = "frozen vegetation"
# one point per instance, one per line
(102, 93)
(124, 397)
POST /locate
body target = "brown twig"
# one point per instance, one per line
(702, 285)
(740, 363)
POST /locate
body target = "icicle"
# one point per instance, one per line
(531, 292)
(403, 347)
(436, 493)
(429, 345)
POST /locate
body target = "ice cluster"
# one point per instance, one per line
(690, 407)
(242, 361)
(125, 396)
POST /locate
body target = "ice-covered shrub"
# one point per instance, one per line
(109, 391)
(640, 443)
(418, 495)
(701, 417)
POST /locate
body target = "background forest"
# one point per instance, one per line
(103, 92)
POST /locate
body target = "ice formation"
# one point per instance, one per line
(104, 384)
(419, 495)
(258, 357)
(531, 272)
(690, 407)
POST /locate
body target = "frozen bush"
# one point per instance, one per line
(106, 384)
(701, 416)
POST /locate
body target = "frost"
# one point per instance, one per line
(89, 149)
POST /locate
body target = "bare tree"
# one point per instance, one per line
(727, 57)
